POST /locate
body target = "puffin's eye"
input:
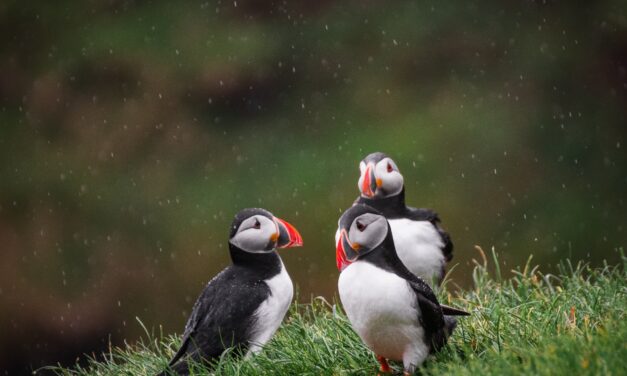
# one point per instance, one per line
(360, 226)
(390, 169)
(257, 224)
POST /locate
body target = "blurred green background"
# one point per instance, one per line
(132, 131)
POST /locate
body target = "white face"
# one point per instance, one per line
(367, 232)
(388, 179)
(257, 234)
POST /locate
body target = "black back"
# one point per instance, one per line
(222, 316)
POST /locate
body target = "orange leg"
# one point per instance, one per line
(385, 367)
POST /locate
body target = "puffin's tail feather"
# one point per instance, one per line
(450, 323)
(441, 336)
(450, 311)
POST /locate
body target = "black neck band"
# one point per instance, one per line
(390, 207)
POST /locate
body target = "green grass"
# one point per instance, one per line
(526, 323)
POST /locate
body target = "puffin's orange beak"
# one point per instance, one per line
(369, 184)
(340, 256)
(287, 235)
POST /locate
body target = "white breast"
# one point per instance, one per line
(270, 313)
(383, 310)
(419, 246)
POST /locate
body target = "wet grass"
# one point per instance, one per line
(527, 322)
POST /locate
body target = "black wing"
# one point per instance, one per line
(433, 217)
(436, 325)
(222, 316)
(192, 323)
(431, 317)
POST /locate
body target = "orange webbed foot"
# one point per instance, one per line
(385, 367)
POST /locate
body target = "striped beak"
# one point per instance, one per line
(343, 245)
(368, 185)
(287, 235)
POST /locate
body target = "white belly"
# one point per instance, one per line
(419, 246)
(383, 310)
(270, 313)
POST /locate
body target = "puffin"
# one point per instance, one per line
(394, 312)
(245, 303)
(422, 244)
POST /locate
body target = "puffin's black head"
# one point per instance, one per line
(379, 177)
(362, 230)
(258, 231)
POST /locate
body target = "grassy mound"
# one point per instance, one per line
(529, 323)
